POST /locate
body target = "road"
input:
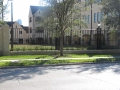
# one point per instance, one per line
(104, 76)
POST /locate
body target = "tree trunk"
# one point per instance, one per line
(61, 44)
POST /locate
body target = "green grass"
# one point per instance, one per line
(53, 56)
(24, 62)
(43, 47)
(56, 62)
(24, 57)
(31, 47)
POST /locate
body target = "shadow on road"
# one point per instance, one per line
(27, 73)
(22, 73)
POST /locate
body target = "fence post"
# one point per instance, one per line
(4, 40)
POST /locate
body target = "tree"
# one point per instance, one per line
(61, 12)
(111, 9)
(3, 11)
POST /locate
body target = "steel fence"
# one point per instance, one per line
(32, 39)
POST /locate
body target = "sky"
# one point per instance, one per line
(20, 10)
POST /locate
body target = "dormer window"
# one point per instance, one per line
(30, 19)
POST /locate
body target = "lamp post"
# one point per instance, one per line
(91, 24)
(99, 24)
(2, 10)
(11, 24)
(99, 36)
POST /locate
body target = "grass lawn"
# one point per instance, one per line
(11, 57)
(14, 57)
(44, 47)
(56, 62)
(24, 62)
(32, 47)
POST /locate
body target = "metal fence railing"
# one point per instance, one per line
(47, 40)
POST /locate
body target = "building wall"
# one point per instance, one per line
(30, 24)
(18, 33)
(95, 9)
(76, 30)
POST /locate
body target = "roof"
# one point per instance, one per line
(34, 9)
(26, 28)
(10, 23)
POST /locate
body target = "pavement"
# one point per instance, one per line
(105, 76)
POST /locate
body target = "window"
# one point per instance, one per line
(26, 31)
(99, 0)
(40, 30)
(30, 30)
(30, 19)
(20, 32)
(16, 26)
(102, 16)
(95, 17)
(88, 18)
(98, 16)
(10, 32)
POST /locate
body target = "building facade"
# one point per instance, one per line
(20, 34)
(91, 14)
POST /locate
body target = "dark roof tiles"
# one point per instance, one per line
(25, 27)
(10, 23)
(34, 9)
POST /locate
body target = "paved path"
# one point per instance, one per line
(104, 76)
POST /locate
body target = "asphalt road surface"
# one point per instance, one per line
(104, 76)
